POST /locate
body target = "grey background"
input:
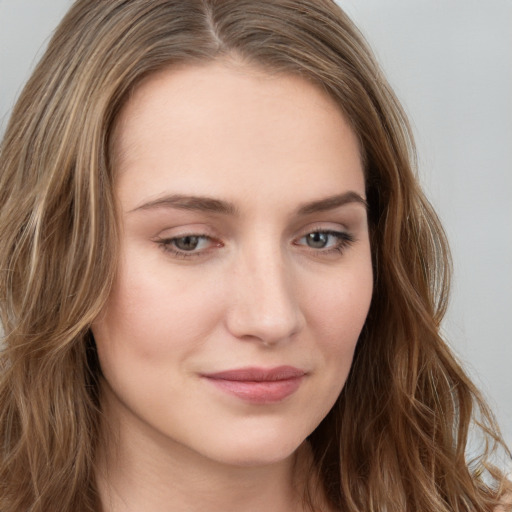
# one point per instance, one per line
(450, 62)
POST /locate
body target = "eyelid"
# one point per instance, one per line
(344, 239)
(323, 227)
(166, 244)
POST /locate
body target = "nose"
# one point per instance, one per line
(263, 303)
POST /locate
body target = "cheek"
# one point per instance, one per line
(337, 307)
(339, 304)
(152, 319)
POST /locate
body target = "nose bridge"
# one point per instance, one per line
(264, 305)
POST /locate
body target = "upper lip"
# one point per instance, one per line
(254, 374)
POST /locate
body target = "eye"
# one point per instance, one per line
(188, 246)
(317, 240)
(326, 242)
(188, 243)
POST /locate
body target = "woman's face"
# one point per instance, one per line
(245, 273)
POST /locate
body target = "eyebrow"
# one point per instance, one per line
(212, 205)
(332, 202)
(196, 203)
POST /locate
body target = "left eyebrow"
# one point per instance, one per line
(332, 202)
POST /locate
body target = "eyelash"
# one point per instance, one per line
(167, 245)
(344, 240)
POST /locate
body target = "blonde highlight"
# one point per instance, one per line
(396, 440)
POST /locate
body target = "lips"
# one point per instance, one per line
(258, 385)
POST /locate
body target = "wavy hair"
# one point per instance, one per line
(397, 437)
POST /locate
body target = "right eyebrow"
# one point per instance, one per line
(187, 202)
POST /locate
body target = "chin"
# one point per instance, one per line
(259, 450)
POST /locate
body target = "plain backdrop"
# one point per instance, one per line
(450, 63)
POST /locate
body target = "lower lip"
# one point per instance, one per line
(259, 392)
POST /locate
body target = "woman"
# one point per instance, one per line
(222, 284)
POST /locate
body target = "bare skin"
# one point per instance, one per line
(244, 245)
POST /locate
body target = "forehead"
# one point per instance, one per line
(207, 128)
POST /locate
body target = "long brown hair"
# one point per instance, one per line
(396, 440)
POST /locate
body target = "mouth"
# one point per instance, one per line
(258, 385)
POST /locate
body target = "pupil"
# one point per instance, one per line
(187, 243)
(317, 240)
